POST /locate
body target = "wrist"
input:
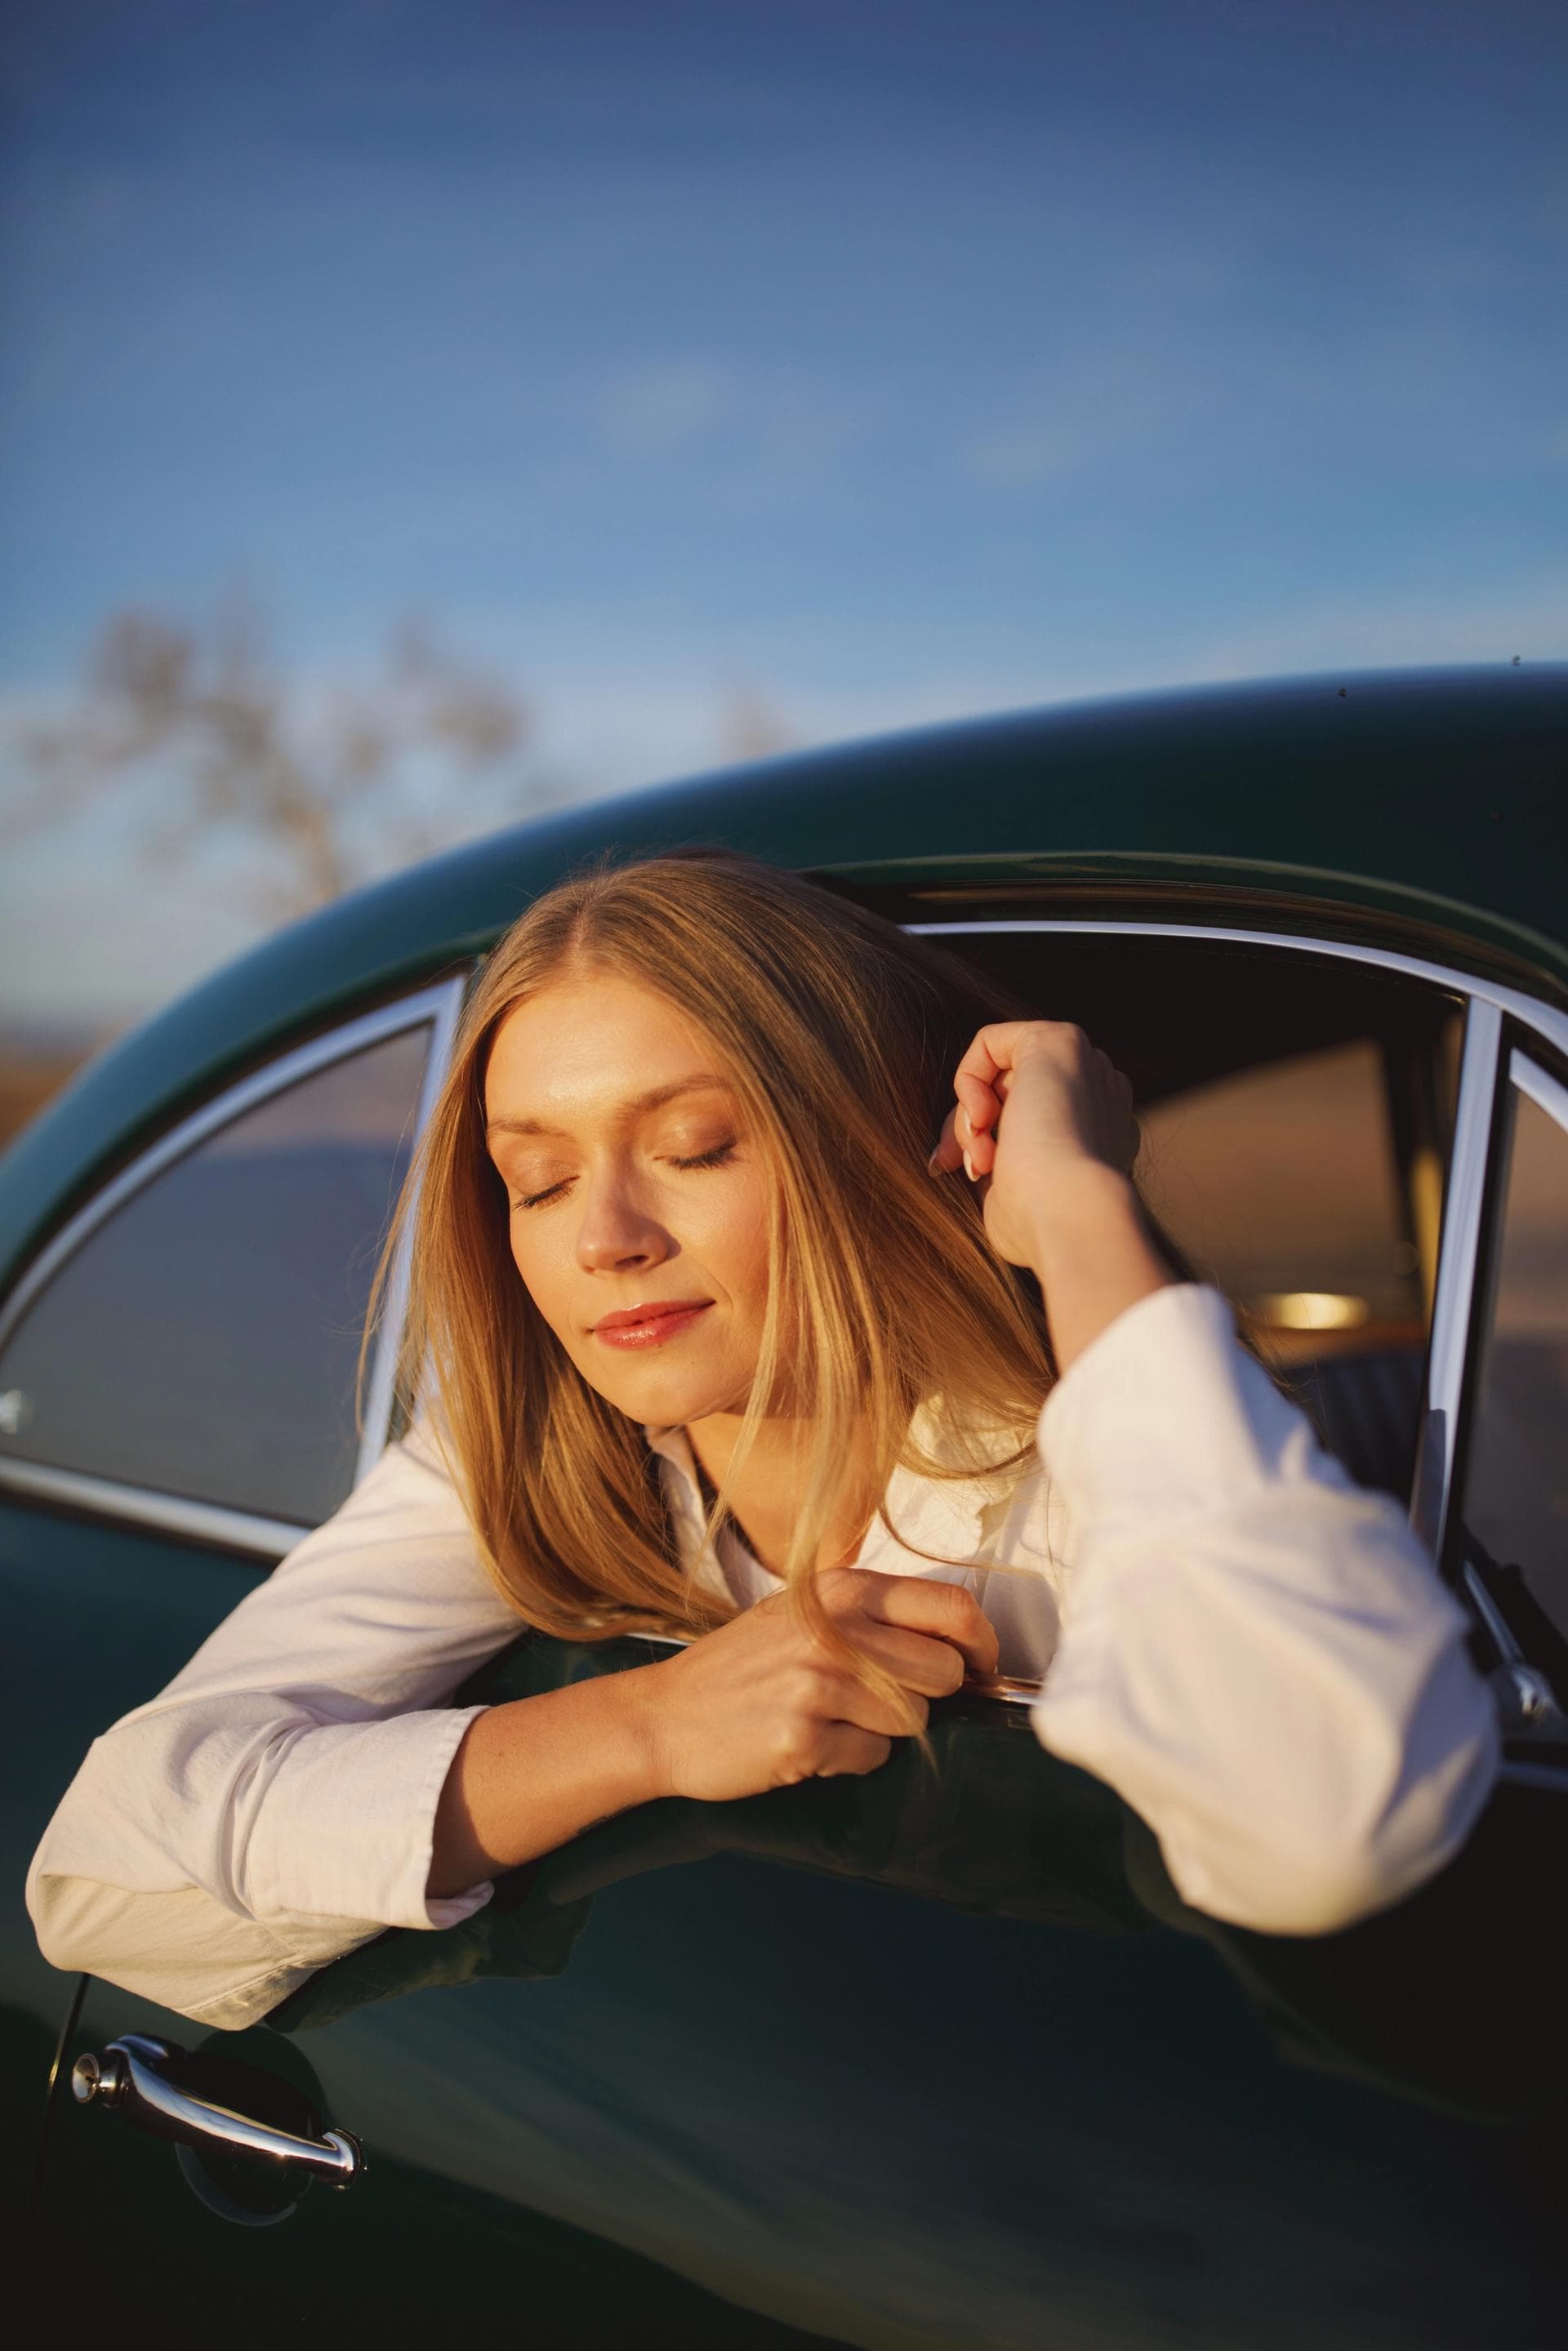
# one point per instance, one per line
(648, 1762)
(1077, 1204)
(1091, 1253)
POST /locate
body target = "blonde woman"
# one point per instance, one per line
(704, 1338)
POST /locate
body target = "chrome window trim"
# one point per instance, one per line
(144, 1506)
(438, 1008)
(1464, 1201)
(379, 1388)
(1544, 1019)
(1549, 1095)
(1543, 1091)
(1453, 1315)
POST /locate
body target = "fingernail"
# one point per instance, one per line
(968, 1167)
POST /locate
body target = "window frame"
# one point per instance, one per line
(1492, 1011)
(437, 1007)
(1522, 1060)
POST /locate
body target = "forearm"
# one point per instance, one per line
(530, 1775)
(1092, 1254)
(1256, 1655)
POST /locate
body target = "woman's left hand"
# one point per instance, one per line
(1038, 1104)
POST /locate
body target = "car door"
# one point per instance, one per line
(177, 1407)
(937, 2058)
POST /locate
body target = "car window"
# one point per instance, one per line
(1296, 1110)
(1515, 1502)
(1282, 1180)
(203, 1341)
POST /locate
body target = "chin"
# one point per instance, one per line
(662, 1397)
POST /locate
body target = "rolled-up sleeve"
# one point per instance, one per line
(1256, 1653)
(275, 1803)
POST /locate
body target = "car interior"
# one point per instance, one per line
(1296, 1112)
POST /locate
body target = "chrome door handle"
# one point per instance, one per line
(132, 2077)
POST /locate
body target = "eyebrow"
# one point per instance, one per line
(637, 1108)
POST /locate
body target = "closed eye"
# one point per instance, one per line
(715, 1158)
(536, 1199)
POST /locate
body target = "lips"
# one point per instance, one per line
(649, 1325)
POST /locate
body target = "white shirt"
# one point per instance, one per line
(1257, 1654)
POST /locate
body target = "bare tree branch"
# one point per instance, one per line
(194, 731)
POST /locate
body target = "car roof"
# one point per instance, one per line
(1428, 805)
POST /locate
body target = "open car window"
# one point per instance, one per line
(1297, 1112)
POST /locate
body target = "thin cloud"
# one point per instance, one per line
(649, 410)
(778, 418)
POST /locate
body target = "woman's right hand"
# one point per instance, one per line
(763, 1703)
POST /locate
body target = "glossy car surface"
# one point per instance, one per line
(936, 2058)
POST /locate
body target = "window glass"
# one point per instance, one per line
(203, 1340)
(1517, 1484)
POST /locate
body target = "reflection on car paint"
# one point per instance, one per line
(755, 2040)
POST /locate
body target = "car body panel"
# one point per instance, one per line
(934, 2059)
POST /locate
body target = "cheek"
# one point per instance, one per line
(733, 1243)
(544, 1272)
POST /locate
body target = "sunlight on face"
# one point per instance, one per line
(638, 1202)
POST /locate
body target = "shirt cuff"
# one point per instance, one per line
(348, 1823)
(1165, 1417)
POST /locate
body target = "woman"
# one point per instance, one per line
(765, 1371)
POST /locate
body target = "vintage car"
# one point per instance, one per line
(935, 2060)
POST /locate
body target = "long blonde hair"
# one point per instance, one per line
(839, 1035)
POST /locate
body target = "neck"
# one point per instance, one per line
(770, 1489)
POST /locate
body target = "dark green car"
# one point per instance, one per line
(934, 2058)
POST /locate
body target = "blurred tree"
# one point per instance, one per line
(750, 728)
(322, 786)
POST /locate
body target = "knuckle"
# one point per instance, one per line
(796, 1750)
(807, 1687)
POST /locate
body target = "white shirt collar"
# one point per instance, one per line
(944, 1515)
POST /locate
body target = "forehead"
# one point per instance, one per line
(590, 1044)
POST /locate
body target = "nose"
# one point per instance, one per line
(616, 1234)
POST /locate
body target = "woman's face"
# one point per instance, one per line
(639, 1210)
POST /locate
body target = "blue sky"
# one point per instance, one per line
(891, 360)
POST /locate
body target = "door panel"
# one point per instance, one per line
(932, 2059)
(97, 1618)
(420, 2238)
(187, 1347)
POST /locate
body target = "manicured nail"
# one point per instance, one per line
(968, 1167)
